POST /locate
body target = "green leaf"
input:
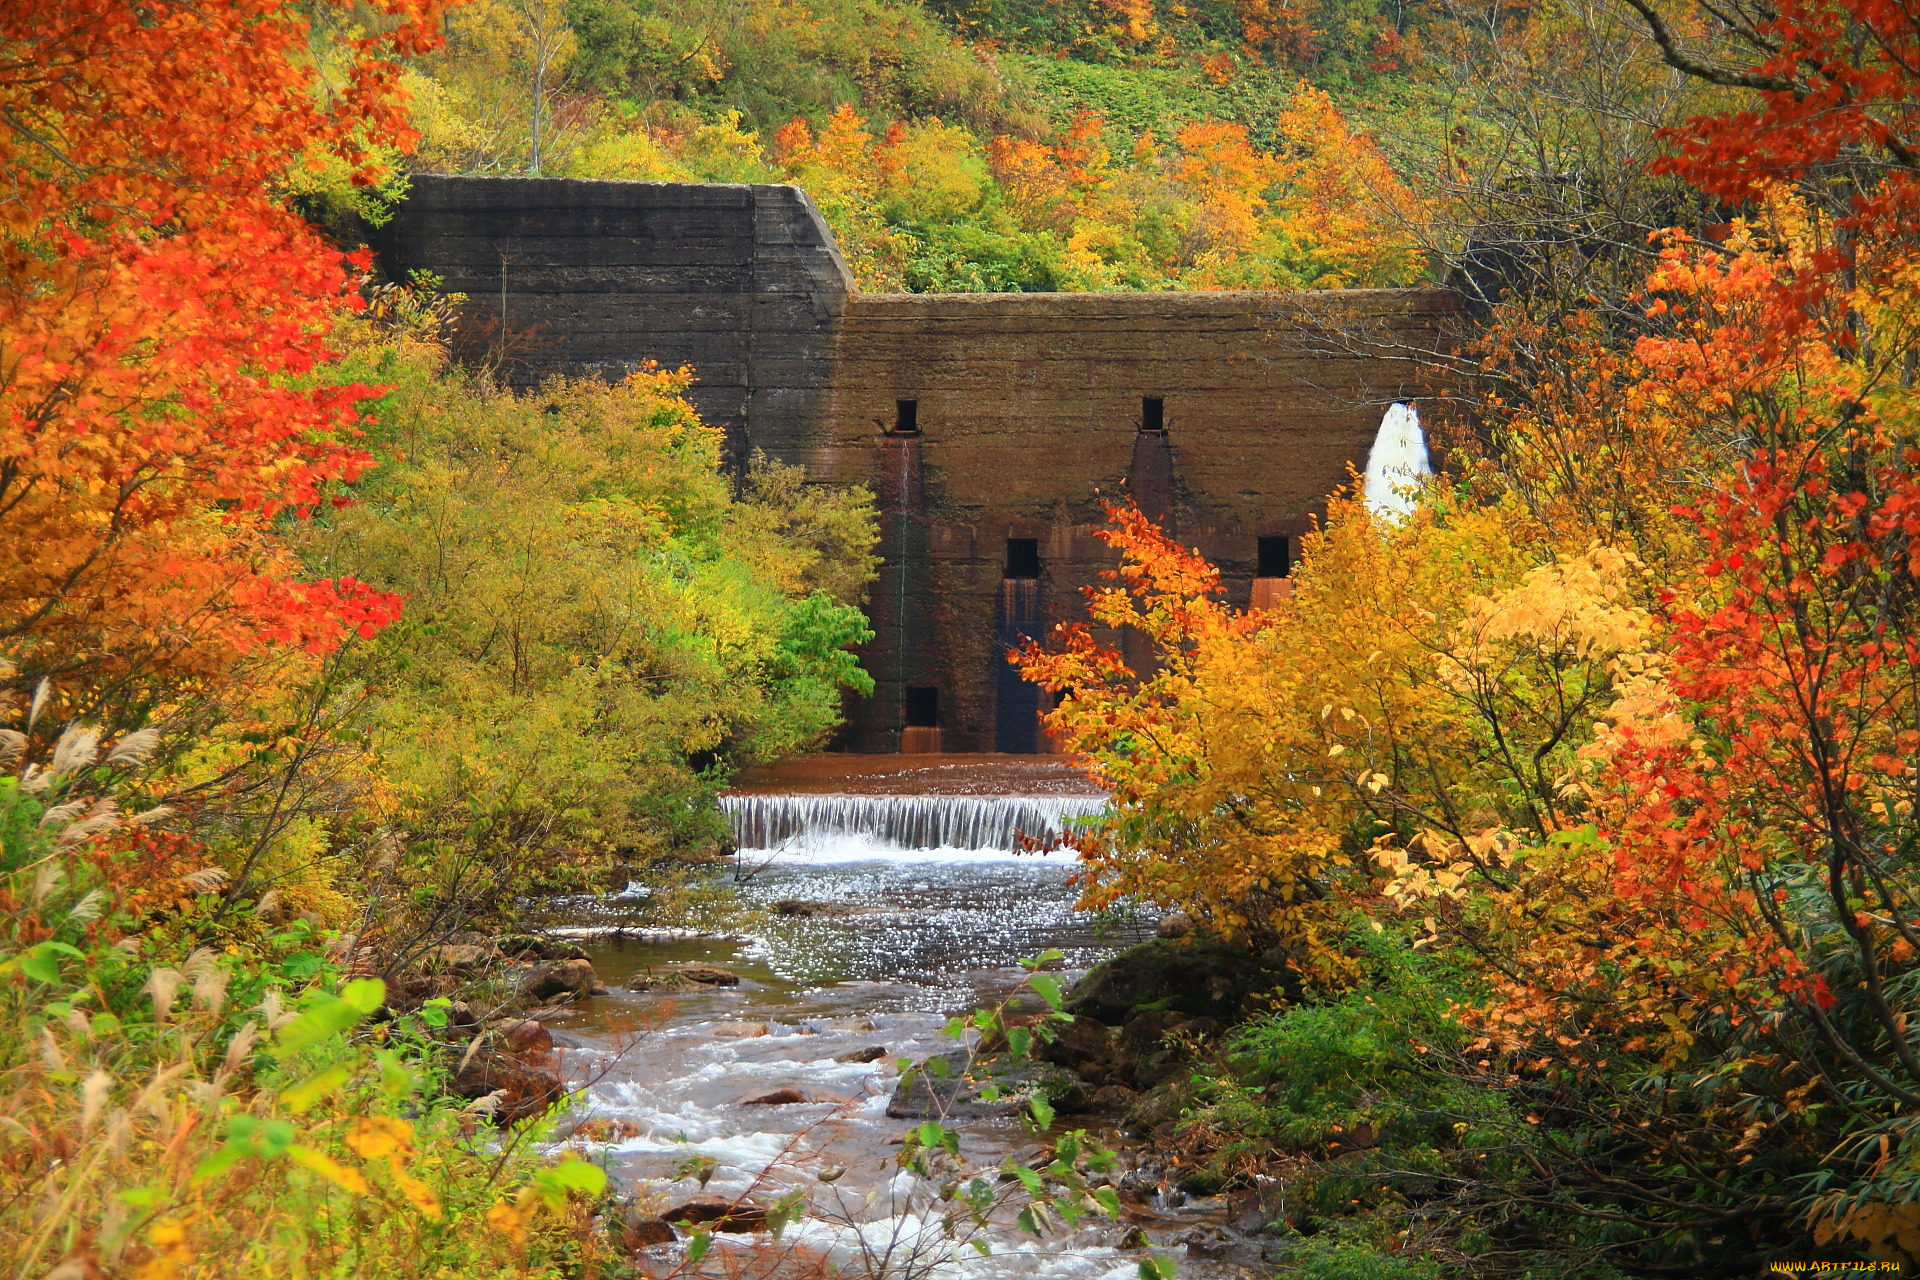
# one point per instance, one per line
(1156, 1267)
(328, 1016)
(1041, 1112)
(246, 1136)
(1020, 1042)
(1049, 988)
(1109, 1200)
(939, 1068)
(301, 1096)
(785, 1210)
(577, 1175)
(1027, 1178)
(41, 962)
(147, 1197)
(1052, 955)
(1029, 1221)
(364, 995)
(698, 1244)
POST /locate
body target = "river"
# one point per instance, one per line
(894, 897)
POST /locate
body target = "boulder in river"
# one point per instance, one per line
(559, 980)
(739, 1030)
(638, 1229)
(871, 1054)
(683, 977)
(537, 946)
(716, 1214)
(1199, 976)
(778, 1098)
(527, 1038)
(513, 1088)
(952, 1089)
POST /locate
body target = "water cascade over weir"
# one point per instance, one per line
(886, 894)
(981, 823)
(1396, 464)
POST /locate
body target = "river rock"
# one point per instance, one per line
(661, 982)
(847, 1024)
(738, 1030)
(598, 1129)
(872, 1054)
(683, 977)
(1152, 1047)
(639, 1229)
(1084, 1047)
(708, 975)
(559, 979)
(955, 1095)
(518, 1089)
(468, 957)
(527, 1038)
(535, 946)
(778, 1098)
(1198, 976)
(720, 1215)
(1175, 924)
(804, 908)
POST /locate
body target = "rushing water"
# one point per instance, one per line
(885, 915)
(918, 823)
(1396, 463)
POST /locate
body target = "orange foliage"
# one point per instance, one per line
(1343, 198)
(163, 386)
(1230, 181)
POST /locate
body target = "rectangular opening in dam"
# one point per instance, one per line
(1023, 558)
(923, 706)
(1275, 558)
(1153, 413)
(906, 417)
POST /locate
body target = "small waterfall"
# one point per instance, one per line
(907, 822)
(1396, 464)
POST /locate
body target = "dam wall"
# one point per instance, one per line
(991, 427)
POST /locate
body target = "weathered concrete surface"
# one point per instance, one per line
(1029, 414)
(743, 283)
(1029, 406)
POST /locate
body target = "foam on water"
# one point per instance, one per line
(918, 825)
(1396, 464)
(848, 847)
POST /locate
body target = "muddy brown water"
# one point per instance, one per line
(905, 932)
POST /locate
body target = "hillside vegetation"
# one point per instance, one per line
(1045, 146)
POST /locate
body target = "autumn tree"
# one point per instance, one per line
(164, 378)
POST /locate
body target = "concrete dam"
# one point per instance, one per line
(990, 426)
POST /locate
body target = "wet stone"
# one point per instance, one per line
(720, 1215)
(739, 1030)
